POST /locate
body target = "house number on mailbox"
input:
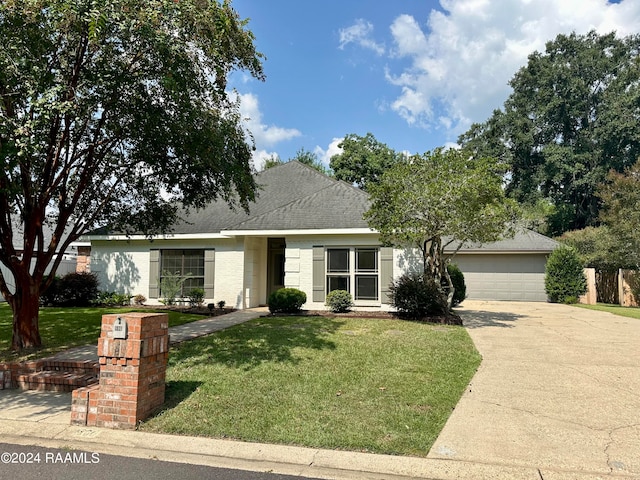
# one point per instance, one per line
(120, 328)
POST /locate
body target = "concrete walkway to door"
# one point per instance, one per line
(558, 389)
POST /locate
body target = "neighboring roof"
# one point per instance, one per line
(291, 196)
(522, 241)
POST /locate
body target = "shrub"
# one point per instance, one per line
(196, 297)
(170, 287)
(416, 296)
(77, 289)
(221, 304)
(564, 279)
(287, 300)
(50, 295)
(339, 301)
(457, 278)
(111, 299)
(139, 299)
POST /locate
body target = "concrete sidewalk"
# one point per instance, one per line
(556, 397)
(177, 334)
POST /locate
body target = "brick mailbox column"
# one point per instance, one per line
(133, 349)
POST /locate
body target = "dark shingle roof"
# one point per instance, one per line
(291, 196)
(523, 241)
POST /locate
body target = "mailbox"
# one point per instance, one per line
(120, 328)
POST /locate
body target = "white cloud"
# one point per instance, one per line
(264, 135)
(325, 155)
(260, 157)
(463, 58)
(360, 33)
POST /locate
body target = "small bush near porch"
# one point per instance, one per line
(375, 385)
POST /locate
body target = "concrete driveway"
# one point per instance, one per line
(558, 389)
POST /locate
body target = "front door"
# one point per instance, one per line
(275, 265)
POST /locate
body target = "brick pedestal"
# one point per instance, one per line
(132, 373)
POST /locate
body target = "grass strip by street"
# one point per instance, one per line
(373, 385)
(63, 328)
(632, 312)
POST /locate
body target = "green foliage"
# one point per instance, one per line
(564, 279)
(416, 296)
(621, 213)
(457, 278)
(286, 300)
(568, 122)
(339, 301)
(597, 247)
(315, 384)
(272, 161)
(311, 160)
(196, 297)
(139, 299)
(106, 107)
(49, 295)
(112, 299)
(170, 287)
(443, 194)
(221, 304)
(77, 289)
(363, 160)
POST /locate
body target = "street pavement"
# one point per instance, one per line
(556, 398)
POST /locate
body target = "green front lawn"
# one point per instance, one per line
(62, 328)
(384, 386)
(633, 312)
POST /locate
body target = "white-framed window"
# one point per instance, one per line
(356, 270)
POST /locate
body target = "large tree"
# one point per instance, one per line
(363, 160)
(438, 200)
(572, 116)
(621, 213)
(112, 112)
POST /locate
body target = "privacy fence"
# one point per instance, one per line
(615, 287)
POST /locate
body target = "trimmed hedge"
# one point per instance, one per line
(339, 301)
(564, 279)
(286, 300)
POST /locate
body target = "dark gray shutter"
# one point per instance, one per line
(318, 274)
(386, 272)
(154, 273)
(209, 273)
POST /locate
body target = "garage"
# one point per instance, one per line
(511, 269)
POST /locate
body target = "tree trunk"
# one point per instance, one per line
(433, 263)
(25, 306)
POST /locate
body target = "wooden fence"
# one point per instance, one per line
(610, 287)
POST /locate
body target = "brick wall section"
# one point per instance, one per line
(132, 374)
(45, 374)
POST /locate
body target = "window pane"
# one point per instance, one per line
(191, 283)
(366, 287)
(338, 260)
(366, 260)
(194, 263)
(337, 283)
(172, 261)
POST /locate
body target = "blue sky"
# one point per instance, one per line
(415, 73)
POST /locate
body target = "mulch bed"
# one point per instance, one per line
(450, 319)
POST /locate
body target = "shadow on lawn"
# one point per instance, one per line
(177, 391)
(268, 339)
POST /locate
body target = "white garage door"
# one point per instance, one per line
(503, 277)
